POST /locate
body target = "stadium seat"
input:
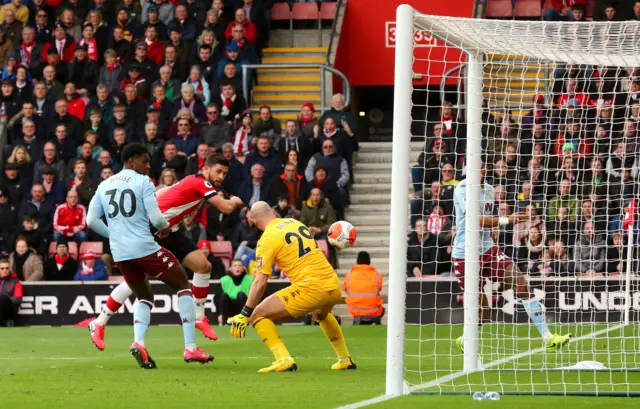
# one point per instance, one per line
(73, 249)
(324, 246)
(222, 250)
(328, 11)
(305, 11)
(92, 245)
(499, 9)
(281, 12)
(591, 6)
(528, 8)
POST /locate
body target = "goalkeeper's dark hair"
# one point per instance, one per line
(132, 150)
(216, 159)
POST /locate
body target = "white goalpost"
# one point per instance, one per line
(554, 109)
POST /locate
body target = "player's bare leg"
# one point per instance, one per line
(115, 301)
(201, 268)
(177, 279)
(515, 280)
(334, 334)
(263, 317)
(141, 321)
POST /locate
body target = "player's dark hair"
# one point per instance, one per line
(132, 150)
(215, 159)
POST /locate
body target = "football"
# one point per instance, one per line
(341, 235)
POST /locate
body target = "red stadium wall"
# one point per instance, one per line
(366, 52)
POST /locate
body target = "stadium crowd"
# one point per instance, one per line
(82, 78)
(571, 161)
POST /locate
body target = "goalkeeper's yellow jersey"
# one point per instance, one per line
(290, 245)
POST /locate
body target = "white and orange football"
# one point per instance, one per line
(341, 235)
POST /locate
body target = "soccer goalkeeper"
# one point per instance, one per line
(315, 288)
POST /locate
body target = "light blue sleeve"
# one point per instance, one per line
(151, 205)
(94, 217)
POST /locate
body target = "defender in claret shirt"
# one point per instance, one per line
(176, 202)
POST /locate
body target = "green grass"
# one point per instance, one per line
(60, 368)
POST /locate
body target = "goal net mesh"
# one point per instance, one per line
(561, 105)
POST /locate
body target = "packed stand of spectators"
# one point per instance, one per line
(603, 10)
(82, 78)
(571, 163)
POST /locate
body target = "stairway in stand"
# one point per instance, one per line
(289, 87)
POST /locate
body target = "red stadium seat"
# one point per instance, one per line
(73, 249)
(591, 6)
(324, 246)
(328, 11)
(222, 250)
(547, 5)
(528, 8)
(280, 11)
(499, 9)
(92, 245)
(305, 11)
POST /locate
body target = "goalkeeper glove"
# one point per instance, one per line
(239, 322)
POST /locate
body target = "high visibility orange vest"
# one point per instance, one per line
(363, 285)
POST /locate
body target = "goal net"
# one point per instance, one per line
(551, 112)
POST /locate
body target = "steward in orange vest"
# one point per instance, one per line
(363, 285)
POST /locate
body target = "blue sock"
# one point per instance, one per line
(536, 315)
(141, 320)
(187, 308)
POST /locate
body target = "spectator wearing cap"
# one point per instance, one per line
(12, 27)
(25, 262)
(153, 20)
(10, 294)
(53, 186)
(307, 120)
(232, 56)
(110, 72)
(154, 48)
(16, 187)
(91, 268)
(90, 41)
(148, 67)
(123, 22)
(231, 103)
(235, 290)
(122, 47)
(250, 30)
(62, 43)
(70, 220)
(134, 78)
(83, 72)
(133, 9)
(183, 24)
(6, 46)
(164, 8)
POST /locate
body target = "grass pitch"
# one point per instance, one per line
(60, 368)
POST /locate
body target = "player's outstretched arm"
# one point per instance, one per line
(489, 221)
(226, 206)
(151, 205)
(239, 322)
(94, 217)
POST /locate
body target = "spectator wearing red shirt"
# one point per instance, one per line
(196, 163)
(10, 294)
(250, 31)
(75, 104)
(155, 49)
(571, 93)
(561, 10)
(62, 42)
(70, 220)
